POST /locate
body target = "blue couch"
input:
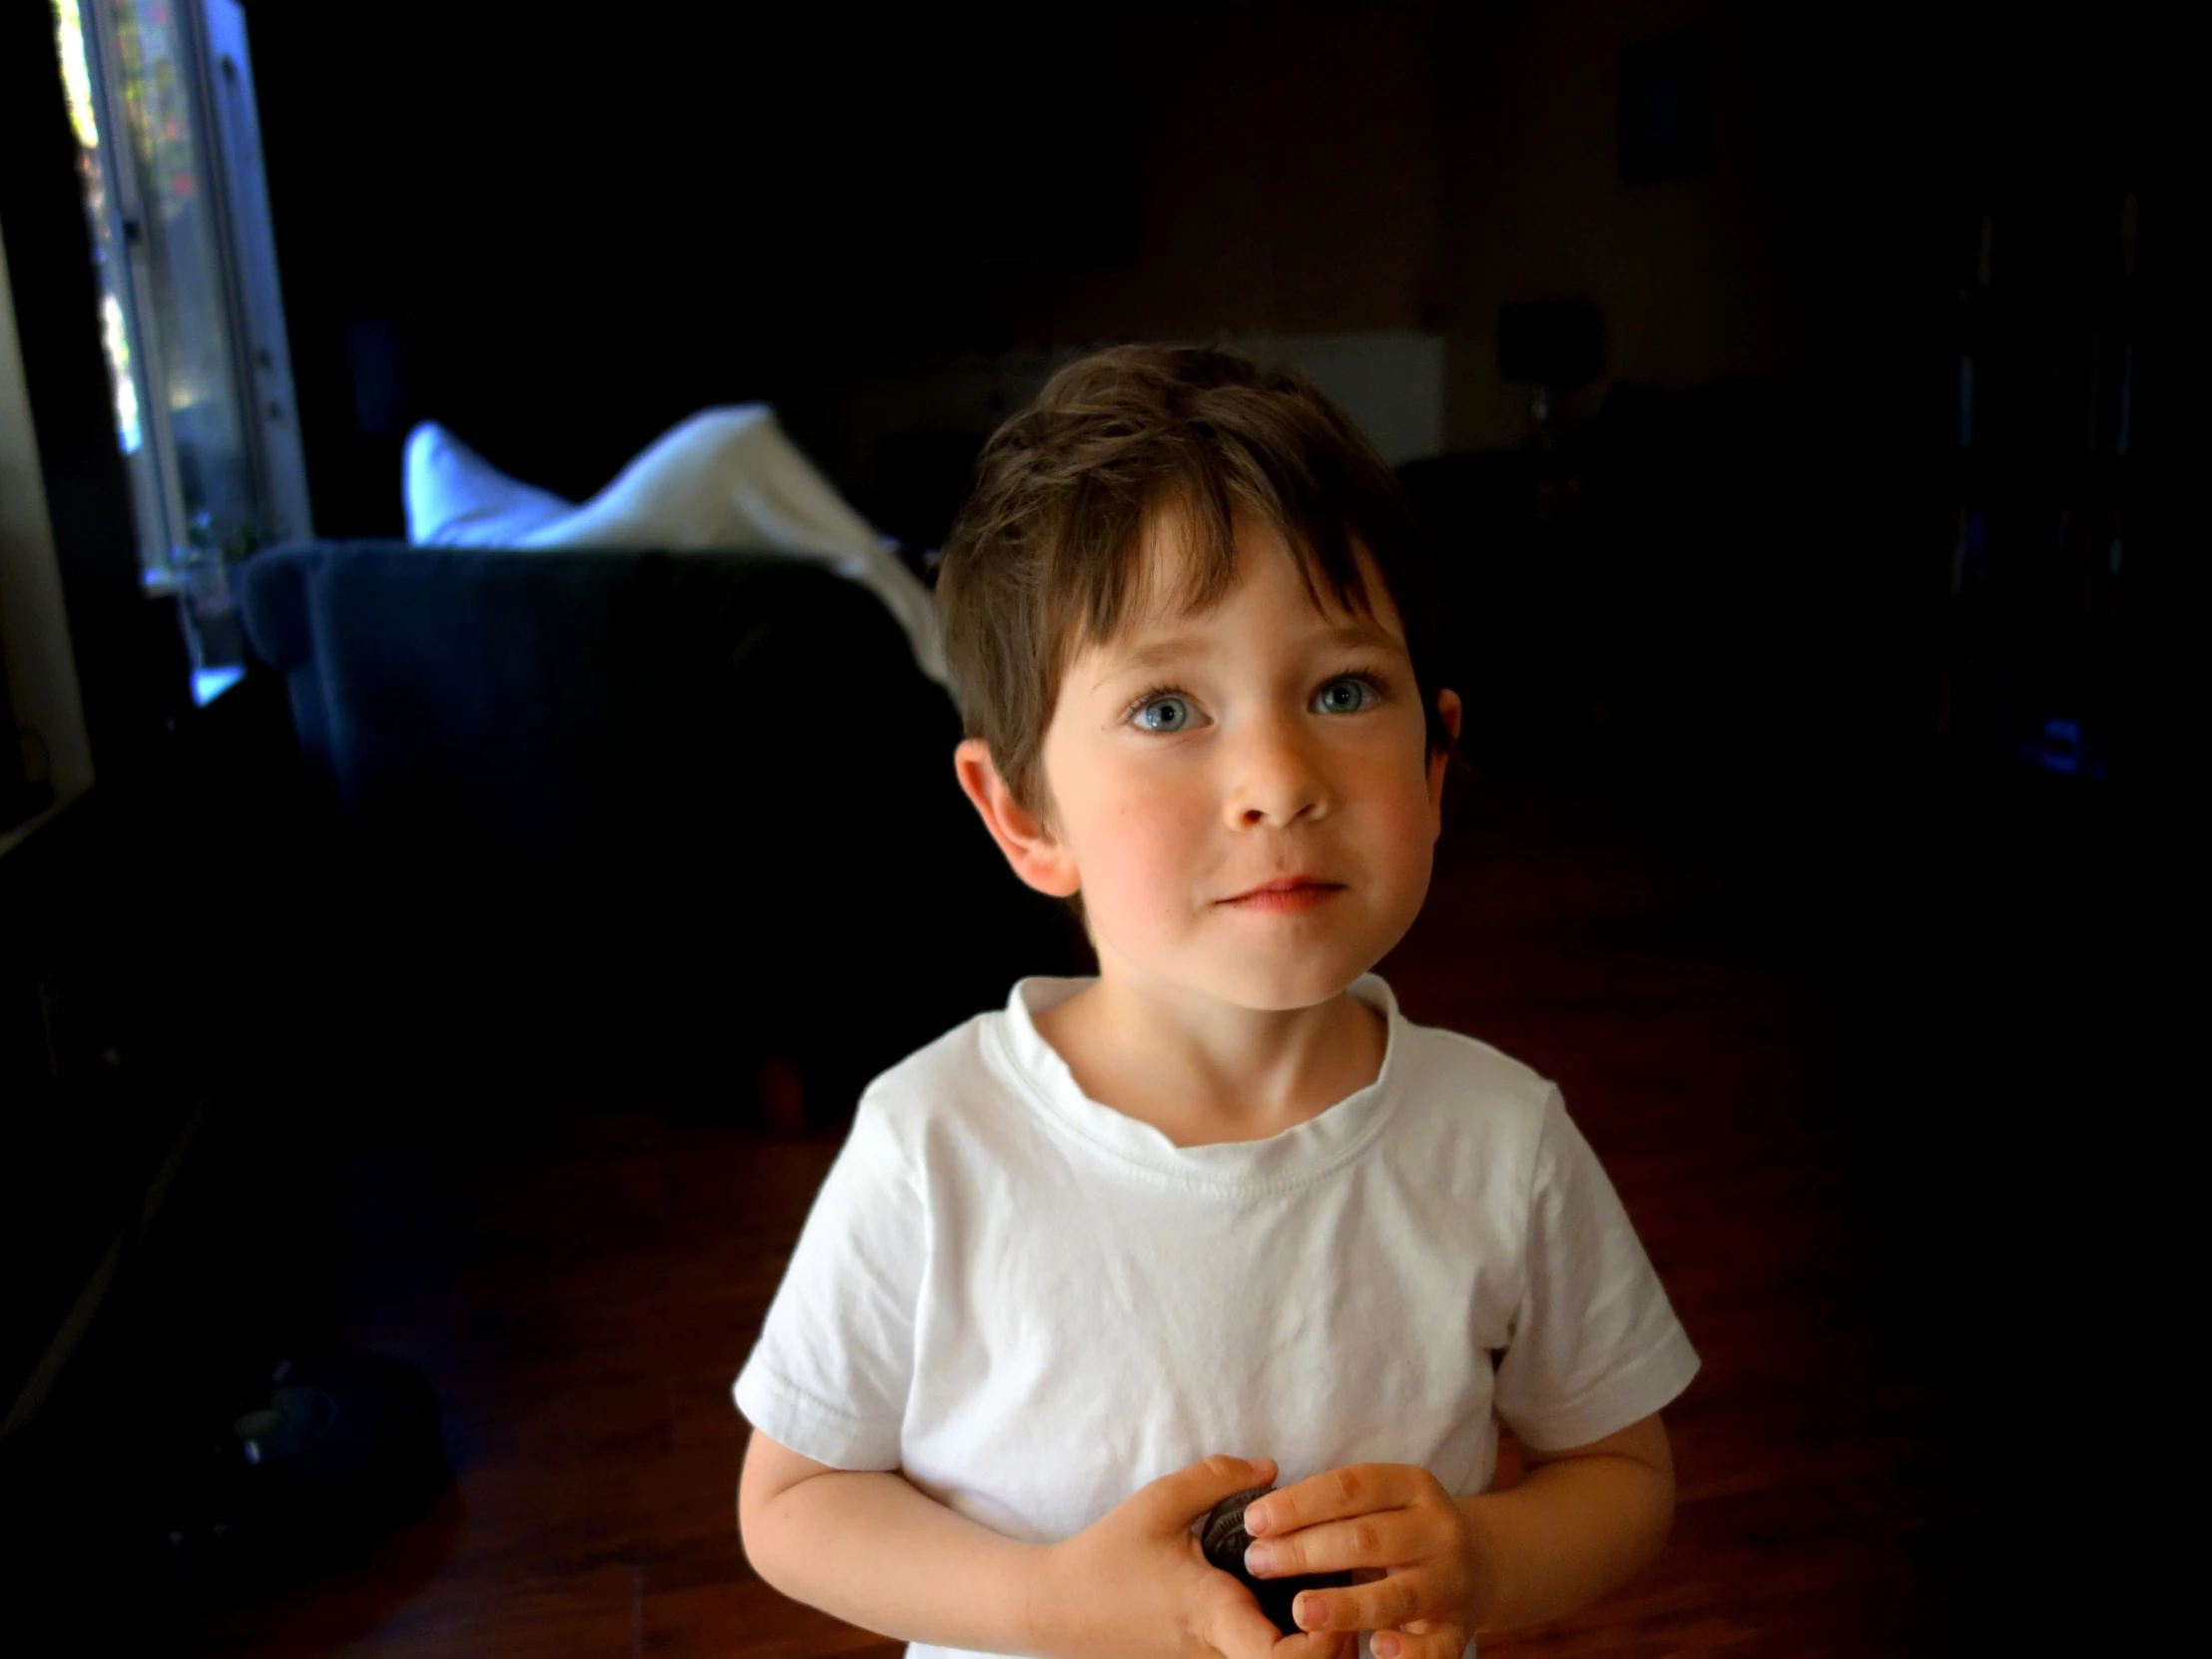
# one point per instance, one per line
(625, 824)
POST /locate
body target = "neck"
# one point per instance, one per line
(1202, 1070)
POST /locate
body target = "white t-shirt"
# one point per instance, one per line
(1034, 1305)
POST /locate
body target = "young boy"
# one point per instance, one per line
(1219, 1215)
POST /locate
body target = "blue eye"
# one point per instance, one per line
(1172, 712)
(1364, 694)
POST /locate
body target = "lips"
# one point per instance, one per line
(1287, 892)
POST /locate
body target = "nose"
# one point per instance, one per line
(1275, 777)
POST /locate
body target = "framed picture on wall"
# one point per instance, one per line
(1666, 107)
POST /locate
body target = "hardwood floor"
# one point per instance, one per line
(582, 1309)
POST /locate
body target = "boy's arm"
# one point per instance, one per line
(1583, 1522)
(874, 1551)
(930, 1575)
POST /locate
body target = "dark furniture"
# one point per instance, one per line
(627, 825)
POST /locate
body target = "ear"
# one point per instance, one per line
(1447, 707)
(1038, 858)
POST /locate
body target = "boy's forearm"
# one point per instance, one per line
(1567, 1535)
(873, 1550)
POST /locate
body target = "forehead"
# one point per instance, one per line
(1177, 571)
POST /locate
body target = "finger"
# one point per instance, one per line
(1330, 1495)
(1235, 1626)
(1190, 1494)
(1420, 1639)
(1387, 1603)
(1378, 1542)
(1321, 1644)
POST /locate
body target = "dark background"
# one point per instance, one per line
(1725, 599)
(559, 241)
(1734, 607)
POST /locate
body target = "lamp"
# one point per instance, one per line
(1552, 344)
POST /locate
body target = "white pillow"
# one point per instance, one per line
(725, 479)
(457, 498)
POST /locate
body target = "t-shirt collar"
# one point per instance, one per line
(1299, 1152)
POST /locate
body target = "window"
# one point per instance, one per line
(160, 96)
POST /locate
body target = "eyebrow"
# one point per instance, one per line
(1161, 653)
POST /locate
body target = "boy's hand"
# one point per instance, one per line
(1395, 1525)
(1135, 1584)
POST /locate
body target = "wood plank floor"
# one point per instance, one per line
(581, 1311)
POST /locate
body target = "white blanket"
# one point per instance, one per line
(727, 480)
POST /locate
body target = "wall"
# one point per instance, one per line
(33, 627)
(1401, 174)
(1687, 273)
(596, 235)
(610, 240)
(1314, 170)
(1286, 180)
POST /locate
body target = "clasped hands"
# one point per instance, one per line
(1136, 1584)
(1398, 1530)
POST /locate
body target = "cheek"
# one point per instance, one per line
(1399, 824)
(1138, 856)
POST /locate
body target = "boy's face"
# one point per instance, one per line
(1200, 758)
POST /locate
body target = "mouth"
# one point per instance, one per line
(1291, 893)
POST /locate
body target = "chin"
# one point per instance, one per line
(1278, 989)
(1278, 966)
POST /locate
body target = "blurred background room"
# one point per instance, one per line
(470, 485)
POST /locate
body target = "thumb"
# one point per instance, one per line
(1190, 1494)
(1233, 1628)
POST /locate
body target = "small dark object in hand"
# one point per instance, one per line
(1224, 1542)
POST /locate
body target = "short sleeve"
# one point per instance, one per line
(1595, 1343)
(829, 1375)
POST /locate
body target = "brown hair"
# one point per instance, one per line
(1045, 557)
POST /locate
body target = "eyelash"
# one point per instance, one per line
(1374, 682)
